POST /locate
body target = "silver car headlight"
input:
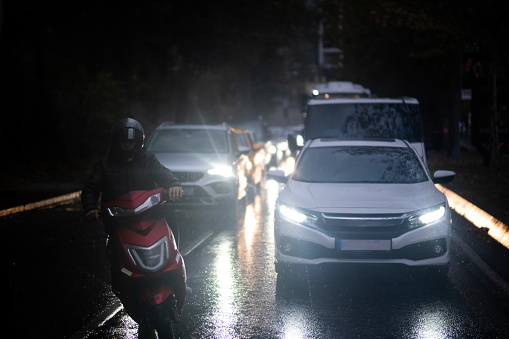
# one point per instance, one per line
(426, 216)
(150, 258)
(224, 171)
(297, 215)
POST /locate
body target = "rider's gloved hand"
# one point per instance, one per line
(92, 215)
(175, 193)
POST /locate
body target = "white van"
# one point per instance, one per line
(349, 118)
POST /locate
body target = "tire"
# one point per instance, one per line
(166, 332)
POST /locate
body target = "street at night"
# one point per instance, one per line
(61, 285)
(325, 169)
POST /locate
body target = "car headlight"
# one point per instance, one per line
(426, 216)
(224, 171)
(297, 215)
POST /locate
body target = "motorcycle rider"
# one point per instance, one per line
(126, 167)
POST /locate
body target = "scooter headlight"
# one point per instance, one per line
(150, 258)
(151, 201)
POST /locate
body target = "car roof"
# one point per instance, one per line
(171, 125)
(379, 142)
(402, 100)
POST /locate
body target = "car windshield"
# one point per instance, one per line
(188, 141)
(373, 120)
(359, 164)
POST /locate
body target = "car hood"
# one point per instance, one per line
(193, 162)
(362, 198)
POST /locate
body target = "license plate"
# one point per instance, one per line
(363, 245)
(188, 191)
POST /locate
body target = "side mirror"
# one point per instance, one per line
(443, 177)
(277, 175)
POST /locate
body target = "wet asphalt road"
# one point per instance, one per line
(60, 285)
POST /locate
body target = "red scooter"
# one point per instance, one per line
(147, 270)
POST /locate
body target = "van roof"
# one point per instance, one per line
(338, 87)
(406, 100)
(330, 142)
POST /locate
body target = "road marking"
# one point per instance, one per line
(100, 320)
(196, 243)
(497, 229)
(481, 264)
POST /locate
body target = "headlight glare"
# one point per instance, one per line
(225, 171)
(427, 216)
(298, 216)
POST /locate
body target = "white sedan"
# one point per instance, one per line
(361, 201)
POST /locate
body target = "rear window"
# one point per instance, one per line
(357, 164)
(188, 141)
(380, 120)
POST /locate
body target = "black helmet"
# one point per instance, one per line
(127, 129)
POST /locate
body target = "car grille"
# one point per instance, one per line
(188, 176)
(365, 226)
(308, 250)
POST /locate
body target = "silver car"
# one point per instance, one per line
(361, 201)
(208, 163)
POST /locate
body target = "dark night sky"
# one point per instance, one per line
(68, 69)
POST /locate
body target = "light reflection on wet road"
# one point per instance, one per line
(236, 294)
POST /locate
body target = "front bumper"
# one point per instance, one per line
(207, 195)
(424, 246)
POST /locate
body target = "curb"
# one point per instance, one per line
(497, 229)
(43, 203)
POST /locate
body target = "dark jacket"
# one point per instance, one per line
(113, 178)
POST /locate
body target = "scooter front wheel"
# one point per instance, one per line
(165, 332)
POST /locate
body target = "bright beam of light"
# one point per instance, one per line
(226, 313)
(497, 229)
